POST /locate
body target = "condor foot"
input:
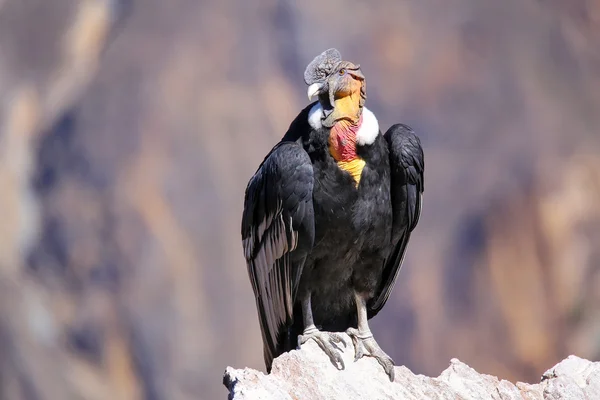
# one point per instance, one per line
(365, 345)
(327, 341)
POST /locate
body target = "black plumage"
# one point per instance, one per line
(323, 249)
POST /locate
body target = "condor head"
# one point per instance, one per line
(340, 86)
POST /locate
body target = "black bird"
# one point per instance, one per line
(327, 218)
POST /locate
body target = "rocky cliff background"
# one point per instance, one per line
(129, 129)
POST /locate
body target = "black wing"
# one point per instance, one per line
(277, 234)
(407, 167)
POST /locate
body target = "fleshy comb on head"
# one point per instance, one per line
(322, 66)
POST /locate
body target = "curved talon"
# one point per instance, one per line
(327, 341)
(337, 338)
(365, 344)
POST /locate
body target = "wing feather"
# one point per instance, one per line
(277, 234)
(407, 165)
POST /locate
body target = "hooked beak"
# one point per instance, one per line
(314, 89)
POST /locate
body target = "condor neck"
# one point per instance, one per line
(344, 136)
(368, 126)
(342, 139)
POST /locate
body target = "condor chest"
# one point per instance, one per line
(342, 207)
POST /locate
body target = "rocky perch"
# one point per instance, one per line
(308, 374)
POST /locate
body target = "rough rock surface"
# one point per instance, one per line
(308, 374)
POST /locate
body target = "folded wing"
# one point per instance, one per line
(277, 234)
(407, 167)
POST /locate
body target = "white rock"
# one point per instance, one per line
(308, 374)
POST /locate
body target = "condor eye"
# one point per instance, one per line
(342, 72)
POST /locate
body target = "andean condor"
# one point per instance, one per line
(327, 218)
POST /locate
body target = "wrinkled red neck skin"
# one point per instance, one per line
(342, 140)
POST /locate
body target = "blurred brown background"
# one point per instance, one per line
(128, 132)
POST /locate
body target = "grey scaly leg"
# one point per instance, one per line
(364, 343)
(326, 340)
